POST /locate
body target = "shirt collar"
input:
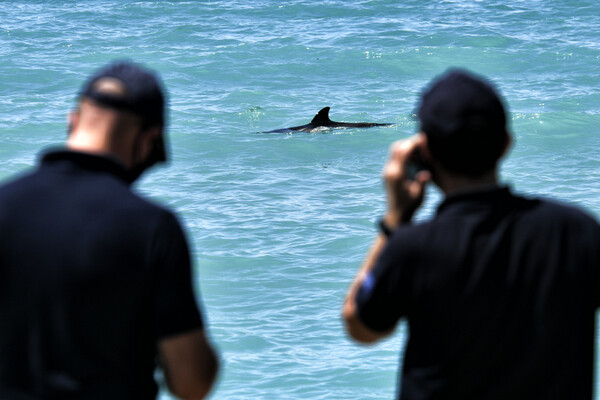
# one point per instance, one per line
(89, 161)
(489, 196)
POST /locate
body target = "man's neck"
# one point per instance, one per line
(455, 184)
(86, 142)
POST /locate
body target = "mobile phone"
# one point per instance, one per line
(416, 163)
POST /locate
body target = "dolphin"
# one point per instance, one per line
(321, 120)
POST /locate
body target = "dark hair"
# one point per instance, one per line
(465, 123)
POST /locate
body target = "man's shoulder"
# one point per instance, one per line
(17, 179)
(138, 208)
(530, 212)
(161, 212)
(550, 210)
(20, 185)
(101, 193)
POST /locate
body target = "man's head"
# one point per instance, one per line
(464, 121)
(122, 111)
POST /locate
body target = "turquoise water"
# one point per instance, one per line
(279, 223)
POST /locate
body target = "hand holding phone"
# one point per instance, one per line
(405, 187)
(416, 163)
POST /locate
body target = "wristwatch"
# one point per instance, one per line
(384, 228)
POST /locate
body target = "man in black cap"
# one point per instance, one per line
(95, 282)
(499, 291)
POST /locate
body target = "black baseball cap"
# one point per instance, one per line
(144, 96)
(464, 120)
(459, 101)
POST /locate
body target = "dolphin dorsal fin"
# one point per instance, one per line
(322, 118)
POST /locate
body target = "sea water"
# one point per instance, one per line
(279, 223)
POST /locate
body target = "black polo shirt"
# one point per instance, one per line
(500, 294)
(91, 277)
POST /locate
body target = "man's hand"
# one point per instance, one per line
(404, 195)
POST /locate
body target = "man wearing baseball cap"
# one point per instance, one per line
(499, 291)
(96, 282)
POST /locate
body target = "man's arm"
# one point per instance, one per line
(404, 196)
(190, 364)
(354, 326)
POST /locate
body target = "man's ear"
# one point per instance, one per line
(150, 134)
(425, 152)
(145, 141)
(507, 144)
(72, 121)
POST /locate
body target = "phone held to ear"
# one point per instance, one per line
(416, 163)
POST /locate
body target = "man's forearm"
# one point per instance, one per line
(354, 326)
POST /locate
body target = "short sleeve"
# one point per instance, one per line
(176, 308)
(382, 297)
